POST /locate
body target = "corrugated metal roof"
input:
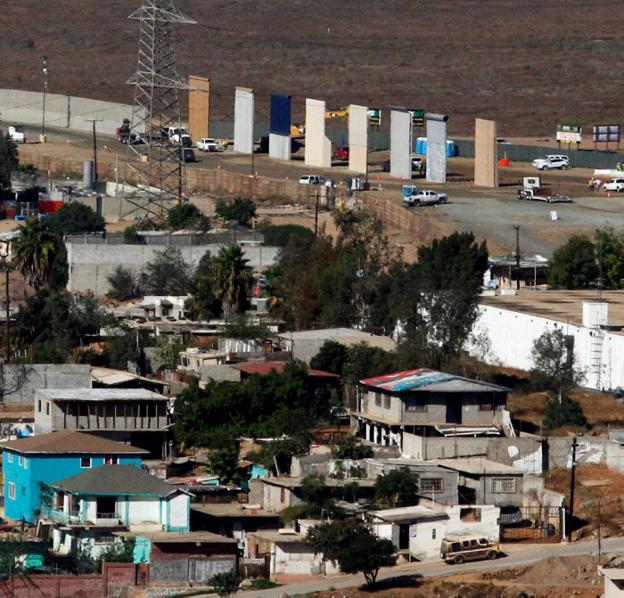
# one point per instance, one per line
(100, 394)
(425, 379)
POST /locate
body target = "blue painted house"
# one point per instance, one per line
(29, 463)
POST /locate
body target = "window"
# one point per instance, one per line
(470, 514)
(434, 533)
(486, 406)
(282, 495)
(503, 485)
(39, 405)
(417, 405)
(377, 399)
(10, 457)
(20, 460)
(386, 401)
(12, 490)
(47, 407)
(111, 460)
(23, 490)
(431, 485)
(25, 463)
(85, 461)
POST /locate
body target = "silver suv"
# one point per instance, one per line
(552, 161)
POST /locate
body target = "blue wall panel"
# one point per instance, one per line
(280, 114)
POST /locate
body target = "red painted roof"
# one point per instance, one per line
(266, 367)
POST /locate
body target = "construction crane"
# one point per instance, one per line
(297, 130)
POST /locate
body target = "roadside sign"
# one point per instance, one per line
(606, 133)
(568, 134)
(418, 118)
(374, 117)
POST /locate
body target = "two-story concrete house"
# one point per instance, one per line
(426, 402)
(134, 415)
(29, 463)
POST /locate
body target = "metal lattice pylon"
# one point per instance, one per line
(155, 168)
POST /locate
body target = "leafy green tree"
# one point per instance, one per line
(364, 361)
(313, 489)
(278, 235)
(242, 328)
(123, 284)
(206, 302)
(351, 448)
(121, 551)
(231, 280)
(9, 161)
(561, 414)
(76, 218)
(225, 464)
(354, 547)
(437, 299)
(397, 488)
(187, 216)
(331, 357)
(609, 245)
(554, 364)
(573, 265)
(168, 351)
(240, 210)
(226, 584)
(36, 249)
(167, 274)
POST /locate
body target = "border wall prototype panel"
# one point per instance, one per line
(400, 143)
(317, 145)
(279, 132)
(358, 138)
(199, 107)
(243, 120)
(486, 164)
(436, 147)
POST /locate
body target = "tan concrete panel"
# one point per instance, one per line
(358, 138)
(199, 107)
(317, 145)
(486, 164)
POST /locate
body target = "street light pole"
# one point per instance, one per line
(44, 68)
(517, 229)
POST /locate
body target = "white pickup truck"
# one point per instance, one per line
(17, 134)
(208, 144)
(412, 196)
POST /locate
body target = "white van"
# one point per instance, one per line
(614, 185)
(312, 179)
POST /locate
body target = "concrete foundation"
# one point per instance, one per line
(358, 138)
(317, 145)
(485, 164)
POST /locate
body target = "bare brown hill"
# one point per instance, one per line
(527, 63)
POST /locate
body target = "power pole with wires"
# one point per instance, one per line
(156, 161)
(95, 164)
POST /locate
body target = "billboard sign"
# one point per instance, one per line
(606, 133)
(374, 117)
(418, 118)
(568, 134)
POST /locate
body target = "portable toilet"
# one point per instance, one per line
(408, 190)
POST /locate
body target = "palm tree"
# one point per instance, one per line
(232, 277)
(35, 250)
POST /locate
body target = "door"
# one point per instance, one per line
(404, 536)
(453, 410)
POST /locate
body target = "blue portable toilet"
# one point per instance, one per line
(408, 190)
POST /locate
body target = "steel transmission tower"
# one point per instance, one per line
(155, 165)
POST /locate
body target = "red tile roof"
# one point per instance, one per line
(266, 367)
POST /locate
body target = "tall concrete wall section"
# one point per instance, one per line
(358, 138)
(199, 107)
(279, 132)
(436, 147)
(317, 145)
(400, 143)
(71, 112)
(91, 265)
(243, 120)
(486, 164)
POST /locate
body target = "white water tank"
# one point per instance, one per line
(595, 314)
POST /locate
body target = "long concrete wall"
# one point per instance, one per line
(91, 265)
(317, 144)
(243, 120)
(400, 141)
(72, 112)
(358, 138)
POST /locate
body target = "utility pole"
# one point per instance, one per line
(4, 262)
(95, 165)
(316, 212)
(572, 483)
(44, 68)
(517, 229)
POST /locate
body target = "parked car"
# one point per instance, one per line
(312, 179)
(209, 144)
(511, 516)
(418, 165)
(342, 152)
(413, 196)
(614, 185)
(458, 549)
(17, 134)
(186, 154)
(552, 162)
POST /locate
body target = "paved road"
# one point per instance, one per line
(516, 556)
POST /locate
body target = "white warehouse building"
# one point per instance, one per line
(513, 322)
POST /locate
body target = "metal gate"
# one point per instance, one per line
(537, 524)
